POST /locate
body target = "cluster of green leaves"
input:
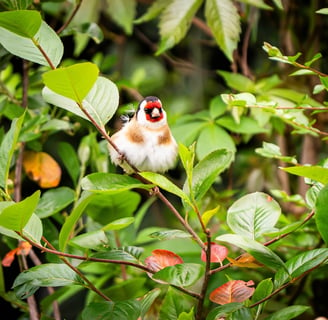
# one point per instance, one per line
(102, 224)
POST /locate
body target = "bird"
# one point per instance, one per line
(145, 141)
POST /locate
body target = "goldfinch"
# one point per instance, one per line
(146, 140)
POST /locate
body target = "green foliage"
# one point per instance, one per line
(144, 246)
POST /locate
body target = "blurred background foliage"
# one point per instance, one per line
(130, 42)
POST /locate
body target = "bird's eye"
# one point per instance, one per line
(148, 110)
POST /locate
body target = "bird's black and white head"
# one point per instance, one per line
(150, 113)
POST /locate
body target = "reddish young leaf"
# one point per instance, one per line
(42, 168)
(23, 249)
(9, 258)
(162, 258)
(218, 253)
(232, 291)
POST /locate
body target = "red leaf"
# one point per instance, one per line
(9, 258)
(23, 249)
(232, 291)
(218, 253)
(161, 259)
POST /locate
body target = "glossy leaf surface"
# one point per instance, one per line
(253, 215)
(45, 275)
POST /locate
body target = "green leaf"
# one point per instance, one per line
(165, 184)
(118, 310)
(7, 149)
(119, 224)
(73, 82)
(288, 313)
(123, 13)
(237, 81)
(89, 29)
(72, 219)
(300, 264)
(111, 183)
(212, 138)
(105, 208)
(153, 10)
(170, 234)
(270, 150)
(278, 4)
(187, 316)
(175, 22)
(45, 43)
(207, 171)
(245, 126)
(54, 200)
(174, 303)
(316, 57)
(262, 290)
(33, 229)
(187, 156)
(128, 289)
(316, 173)
(24, 23)
(129, 253)
(90, 240)
(324, 81)
(182, 275)
(321, 215)
(253, 215)
(257, 250)
(187, 133)
(70, 160)
(148, 300)
(257, 3)
(101, 102)
(45, 275)
(224, 310)
(223, 19)
(16, 216)
(322, 11)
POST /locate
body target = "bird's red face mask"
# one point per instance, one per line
(153, 111)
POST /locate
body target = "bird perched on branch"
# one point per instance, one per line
(145, 141)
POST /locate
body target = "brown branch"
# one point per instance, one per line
(200, 24)
(90, 285)
(244, 56)
(52, 66)
(207, 275)
(70, 18)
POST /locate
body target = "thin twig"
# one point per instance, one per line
(70, 18)
(76, 270)
(206, 278)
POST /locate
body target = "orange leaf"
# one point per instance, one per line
(245, 261)
(232, 291)
(23, 249)
(162, 258)
(218, 253)
(41, 168)
(9, 258)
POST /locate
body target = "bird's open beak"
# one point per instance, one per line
(155, 113)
